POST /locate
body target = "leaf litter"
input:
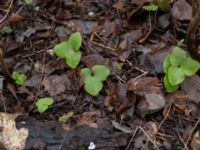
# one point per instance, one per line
(133, 110)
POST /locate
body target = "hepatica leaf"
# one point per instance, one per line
(93, 86)
(190, 66)
(175, 75)
(177, 56)
(85, 73)
(101, 72)
(169, 88)
(177, 65)
(43, 104)
(166, 64)
(69, 50)
(62, 49)
(19, 77)
(75, 41)
(73, 59)
(93, 78)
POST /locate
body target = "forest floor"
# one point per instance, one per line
(133, 111)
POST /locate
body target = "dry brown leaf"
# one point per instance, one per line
(144, 84)
(181, 10)
(195, 144)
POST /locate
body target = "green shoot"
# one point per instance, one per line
(69, 50)
(43, 104)
(19, 78)
(177, 66)
(93, 78)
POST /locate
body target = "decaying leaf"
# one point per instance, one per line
(191, 85)
(195, 144)
(181, 10)
(66, 117)
(144, 84)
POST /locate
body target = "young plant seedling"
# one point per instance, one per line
(177, 65)
(93, 78)
(19, 78)
(43, 104)
(150, 7)
(69, 50)
(6, 30)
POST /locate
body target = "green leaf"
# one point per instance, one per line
(73, 59)
(75, 41)
(101, 72)
(175, 75)
(166, 63)
(69, 50)
(62, 49)
(6, 30)
(43, 104)
(163, 4)
(85, 72)
(19, 78)
(150, 7)
(177, 56)
(190, 66)
(66, 117)
(169, 88)
(93, 86)
(28, 1)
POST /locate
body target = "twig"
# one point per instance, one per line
(132, 138)
(182, 140)
(188, 139)
(165, 116)
(101, 45)
(137, 128)
(5, 16)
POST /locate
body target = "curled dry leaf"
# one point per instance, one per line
(88, 118)
(144, 84)
(122, 128)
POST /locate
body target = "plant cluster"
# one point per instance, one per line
(177, 65)
(69, 50)
(19, 78)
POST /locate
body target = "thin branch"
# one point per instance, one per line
(5, 16)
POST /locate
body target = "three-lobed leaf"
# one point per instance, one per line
(177, 66)
(19, 77)
(93, 78)
(43, 104)
(69, 50)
